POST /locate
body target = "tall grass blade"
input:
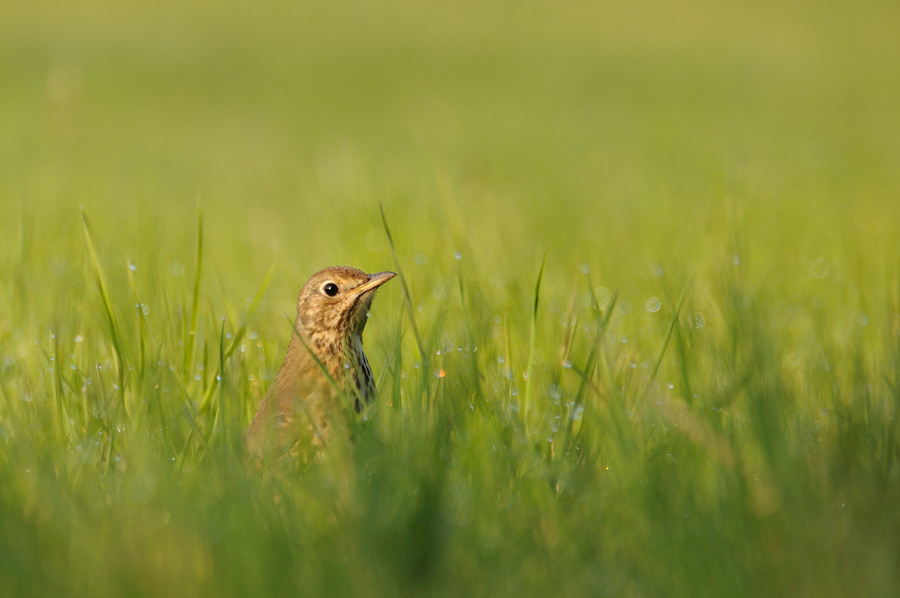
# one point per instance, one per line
(107, 308)
(409, 308)
(195, 303)
(142, 322)
(534, 315)
(672, 324)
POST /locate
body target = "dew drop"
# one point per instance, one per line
(818, 268)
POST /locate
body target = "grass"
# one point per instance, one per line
(646, 341)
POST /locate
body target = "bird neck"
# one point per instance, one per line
(343, 358)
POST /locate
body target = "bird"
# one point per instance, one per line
(297, 414)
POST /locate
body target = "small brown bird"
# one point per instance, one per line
(299, 406)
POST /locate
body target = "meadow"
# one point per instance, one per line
(647, 341)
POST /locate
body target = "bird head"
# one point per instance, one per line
(334, 303)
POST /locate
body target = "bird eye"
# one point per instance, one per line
(330, 289)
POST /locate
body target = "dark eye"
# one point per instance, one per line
(330, 289)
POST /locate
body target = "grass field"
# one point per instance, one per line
(699, 396)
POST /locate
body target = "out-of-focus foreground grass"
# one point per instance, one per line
(599, 441)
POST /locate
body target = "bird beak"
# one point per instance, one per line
(375, 281)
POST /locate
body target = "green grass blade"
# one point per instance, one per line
(195, 304)
(409, 308)
(107, 307)
(672, 324)
(534, 315)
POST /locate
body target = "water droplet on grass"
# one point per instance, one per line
(653, 304)
(819, 268)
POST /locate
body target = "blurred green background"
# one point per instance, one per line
(751, 148)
